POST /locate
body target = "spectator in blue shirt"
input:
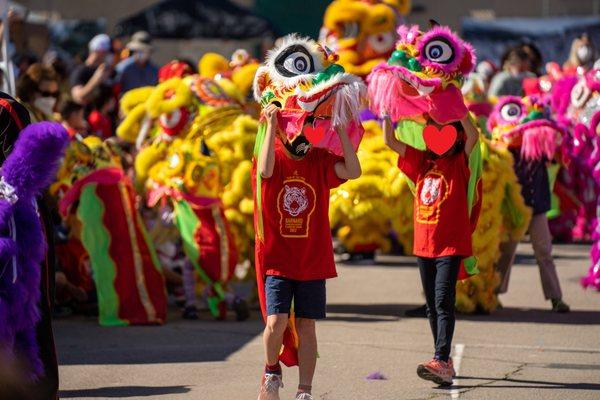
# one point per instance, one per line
(138, 69)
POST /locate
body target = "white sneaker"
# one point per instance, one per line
(269, 387)
(304, 396)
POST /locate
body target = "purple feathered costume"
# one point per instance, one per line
(28, 169)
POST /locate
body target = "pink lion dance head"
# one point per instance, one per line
(525, 123)
(423, 76)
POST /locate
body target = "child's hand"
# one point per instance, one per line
(271, 114)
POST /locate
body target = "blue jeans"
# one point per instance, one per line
(438, 276)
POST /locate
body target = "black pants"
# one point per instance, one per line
(438, 276)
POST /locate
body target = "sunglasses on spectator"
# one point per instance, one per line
(49, 94)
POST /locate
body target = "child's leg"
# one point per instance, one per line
(279, 293)
(273, 337)
(504, 264)
(445, 297)
(428, 271)
(307, 352)
(541, 240)
(310, 305)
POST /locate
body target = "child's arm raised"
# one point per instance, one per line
(471, 132)
(266, 160)
(350, 168)
(390, 139)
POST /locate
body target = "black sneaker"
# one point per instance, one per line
(559, 306)
(190, 312)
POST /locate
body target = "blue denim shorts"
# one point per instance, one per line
(309, 297)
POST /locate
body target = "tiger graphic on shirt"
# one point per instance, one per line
(294, 200)
(295, 203)
(432, 191)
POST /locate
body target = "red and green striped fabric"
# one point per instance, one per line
(129, 280)
(209, 245)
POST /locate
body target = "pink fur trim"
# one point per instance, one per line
(385, 96)
(540, 139)
(408, 34)
(594, 122)
(592, 79)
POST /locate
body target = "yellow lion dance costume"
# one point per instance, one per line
(193, 138)
(362, 33)
(503, 216)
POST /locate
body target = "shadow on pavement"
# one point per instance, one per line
(538, 316)
(508, 314)
(369, 311)
(82, 341)
(123, 392)
(495, 383)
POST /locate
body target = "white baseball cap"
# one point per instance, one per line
(100, 42)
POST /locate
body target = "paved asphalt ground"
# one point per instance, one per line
(520, 352)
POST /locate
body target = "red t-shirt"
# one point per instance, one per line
(441, 214)
(100, 124)
(295, 211)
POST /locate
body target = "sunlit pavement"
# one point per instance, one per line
(520, 352)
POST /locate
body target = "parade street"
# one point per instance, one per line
(522, 351)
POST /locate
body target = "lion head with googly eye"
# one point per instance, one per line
(423, 76)
(525, 124)
(303, 79)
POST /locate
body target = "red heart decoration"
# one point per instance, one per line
(315, 132)
(439, 141)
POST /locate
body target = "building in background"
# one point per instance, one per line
(305, 16)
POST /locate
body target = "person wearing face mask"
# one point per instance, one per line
(138, 70)
(582, 55)
(38, 90)
(95, 73)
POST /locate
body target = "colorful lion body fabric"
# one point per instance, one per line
(420, 84)
(187, 157)
(362, 33)
(578, 150)
(587, 131)
(126, 270)
(314, 94)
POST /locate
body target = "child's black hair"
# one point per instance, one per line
(102, 96)
(69, 108)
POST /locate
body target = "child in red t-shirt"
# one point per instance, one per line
(297, 252)
(442, 232)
